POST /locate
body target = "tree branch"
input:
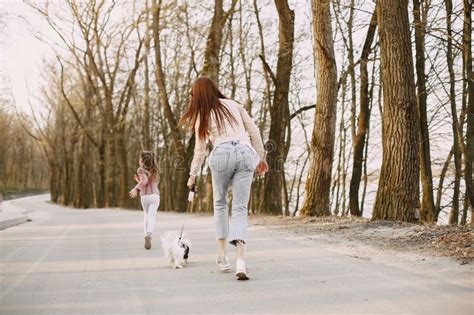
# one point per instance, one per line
(74, 112)
(268, 69)
(302, 109)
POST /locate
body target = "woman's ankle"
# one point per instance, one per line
(221, 244)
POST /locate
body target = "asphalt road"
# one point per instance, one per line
(70, 261)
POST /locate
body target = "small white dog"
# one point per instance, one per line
(176, 247)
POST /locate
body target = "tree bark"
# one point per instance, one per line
(180, 168)
(214, 43)
(442, 176)
(146, 97)
(427, 209)
(214, 40)
(398, 192)
(454, 214)
(469, 77)
(279, 112)
(363, 120)
(318, 183)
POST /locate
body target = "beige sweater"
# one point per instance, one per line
(245, 131)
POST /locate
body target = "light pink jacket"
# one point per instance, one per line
(244, 131)
(144, 186)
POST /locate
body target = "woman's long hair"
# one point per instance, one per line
(204, 100)
(149, 164)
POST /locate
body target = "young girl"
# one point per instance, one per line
(147, 178)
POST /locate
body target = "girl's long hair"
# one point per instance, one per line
(149, 164)
(204, 100)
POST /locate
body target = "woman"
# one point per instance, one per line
(233, 160)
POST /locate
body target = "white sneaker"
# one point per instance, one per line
(241, 271)
(223, 263)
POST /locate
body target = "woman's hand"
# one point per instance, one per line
(261, 168)
(191, 181)
(133, 193)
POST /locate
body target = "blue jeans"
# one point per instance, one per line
(232, 163)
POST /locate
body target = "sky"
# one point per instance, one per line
(21, 53)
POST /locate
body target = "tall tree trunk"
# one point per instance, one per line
(279, 112)
(146, 97)
(123, 176)
(366, 150)
(469, 81)
(214, 43)
(180, 172)
(212, 65)
(427, 209)
(318, 183)
(454, 214)
(266, 75)
(398, 192)
(102, 187)
(363, 120)
(54, 178)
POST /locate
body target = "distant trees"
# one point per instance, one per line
(22, 161)
(89, 101)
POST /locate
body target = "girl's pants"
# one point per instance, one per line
(150, 205)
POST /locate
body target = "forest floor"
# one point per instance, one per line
(366, 239)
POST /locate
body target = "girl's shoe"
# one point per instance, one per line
(223, 263)
(241, 271)
(147, 242)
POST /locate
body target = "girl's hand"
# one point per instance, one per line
(191, 181)
(133, 193)
(261, 168)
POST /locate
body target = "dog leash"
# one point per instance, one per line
(182, 230)
(190, 199)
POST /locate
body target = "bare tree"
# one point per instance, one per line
(180, 171)
(457, 151)
(363, 119)
(397, 194)
(277, 145)
(319, 178)
(420, 14)
(469, 83)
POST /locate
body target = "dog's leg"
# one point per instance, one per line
(177, 264)
(169, 257)
(172, 260)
